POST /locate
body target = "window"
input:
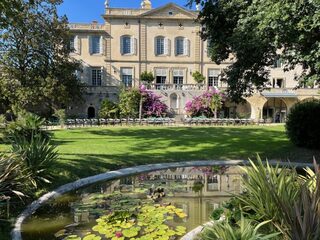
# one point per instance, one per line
(95, 44)
(213, 78)
(159, 45)
(96, 76)
(278, 62)
(72, 43)
(178, 78)
(182, 46)
(161, 77)
(126, 77)
(278, 83)
(127, 45)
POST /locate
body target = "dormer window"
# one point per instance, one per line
(170, 13)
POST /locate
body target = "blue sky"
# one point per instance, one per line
(82, 11)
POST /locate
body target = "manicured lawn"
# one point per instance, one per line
(85, 152)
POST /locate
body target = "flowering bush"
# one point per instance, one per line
(152, 104)
(206, 104)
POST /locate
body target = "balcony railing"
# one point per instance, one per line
(173, 87)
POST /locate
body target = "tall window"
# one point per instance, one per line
(95, 41)
(180, 46)
(126, 45)
(96, 76)
(160, 45)
(126, 77)
(213, 78)
(161, 77)
(72, 43)
(178, 77)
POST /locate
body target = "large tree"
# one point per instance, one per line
(255, 33)
(37, 73)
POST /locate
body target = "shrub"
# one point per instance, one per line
(37, 155)
(61, 115)
(12, 177)
(109, 109)
(303, 126)
(198, 77)
(147, 77)
(26, 125)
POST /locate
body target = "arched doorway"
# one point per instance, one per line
(91, 112)
(236, 110)
(174, 103)
(275, 110)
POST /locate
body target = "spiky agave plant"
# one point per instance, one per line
(12, 177)
(38, 155)
(245, 229)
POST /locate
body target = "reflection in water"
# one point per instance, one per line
(195, 190)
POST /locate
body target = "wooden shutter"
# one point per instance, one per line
(167, 44)
(186, 47)
(155, 46)
(78, 49)
(133, 45)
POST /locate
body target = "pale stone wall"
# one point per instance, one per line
(169, 21)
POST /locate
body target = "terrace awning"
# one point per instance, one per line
(280, 95)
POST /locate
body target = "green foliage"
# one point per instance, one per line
(253, 32)
(38, 156)
(109, 109)
(147, 77)
(38, 73)
(216, 214)
(129, 102)
(245, 229)
(303, 124)
(12, 177)
(61, 115)
(26, 125)
(198, 77)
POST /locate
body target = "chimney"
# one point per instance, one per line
(146, 4)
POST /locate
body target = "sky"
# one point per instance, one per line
(85, 11)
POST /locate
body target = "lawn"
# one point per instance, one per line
(89, 151)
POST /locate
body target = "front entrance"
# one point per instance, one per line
(91, 113)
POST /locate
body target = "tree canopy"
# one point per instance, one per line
(37, 73)
(254, 33)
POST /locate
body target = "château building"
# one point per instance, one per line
(166, 42)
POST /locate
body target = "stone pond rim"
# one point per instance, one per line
(16, 232)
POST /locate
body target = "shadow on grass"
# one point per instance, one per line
(153, 145)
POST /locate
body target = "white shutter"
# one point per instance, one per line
(121, 45)
(90, 45)
(76, 44)
(132, 45)
(155, 46)
(101, 45)
(78, 49)
(186, 47)
(102, 76)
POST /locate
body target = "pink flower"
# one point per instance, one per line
(119, 234)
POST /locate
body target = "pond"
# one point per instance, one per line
(160, 205)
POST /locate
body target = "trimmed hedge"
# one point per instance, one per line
(303, 124)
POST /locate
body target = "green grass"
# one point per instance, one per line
(85, 152)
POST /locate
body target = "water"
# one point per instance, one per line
(197, 191)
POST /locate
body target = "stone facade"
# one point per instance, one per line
(129, 45)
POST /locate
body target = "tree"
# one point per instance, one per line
(198, 77)
(253, 33)
(108, 109)
(37, 71)
(129, 102)
(147, 77)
